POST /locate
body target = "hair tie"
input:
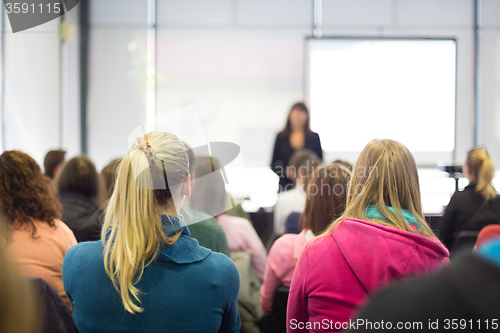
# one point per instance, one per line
(147, 142)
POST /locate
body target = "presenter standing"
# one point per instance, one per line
(296, 135)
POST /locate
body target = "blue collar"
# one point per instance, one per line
(373, 213)
(186, 249)
(173, 224)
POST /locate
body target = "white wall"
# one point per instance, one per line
(35, 97)
(241, 62)
(32, 89)
(490, 78)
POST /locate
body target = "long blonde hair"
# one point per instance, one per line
(132, 233)
(385, 175)
(482, 170)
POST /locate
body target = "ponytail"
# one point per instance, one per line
(482, 169)
(132, 233)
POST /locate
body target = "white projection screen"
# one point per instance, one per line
(359, 89)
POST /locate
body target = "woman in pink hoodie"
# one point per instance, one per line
(326, 198)
(381, 237)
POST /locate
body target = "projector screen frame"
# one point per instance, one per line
(306, 82)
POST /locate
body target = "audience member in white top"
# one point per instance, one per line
(301, 164)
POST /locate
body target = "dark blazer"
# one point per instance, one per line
(461, 209)
(283, 151)
(82, 216)
(462, 293)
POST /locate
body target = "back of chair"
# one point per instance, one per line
(275, 321)
(280, 302)
(465, 241)
(55, 315)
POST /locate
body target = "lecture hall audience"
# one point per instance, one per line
(147, 274)
(381, 237)
(37, 239)
(326, 194)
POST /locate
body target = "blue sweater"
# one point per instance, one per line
(188, 288)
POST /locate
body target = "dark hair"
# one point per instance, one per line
(52, 160)
(209, 193)
(109, 173)
(79, 175)
(302, 162)
(24, 192)
(326, 197)
(285, 133)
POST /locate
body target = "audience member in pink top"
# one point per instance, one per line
(381, 237)
(326, 194)
(241, 236)
(43, 256)
(209, 196)
(37, 240)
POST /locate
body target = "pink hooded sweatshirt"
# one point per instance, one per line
(337, 272)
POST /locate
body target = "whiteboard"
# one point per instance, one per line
(359, 89)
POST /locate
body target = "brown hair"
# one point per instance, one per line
(24, 192)
(302, 162)
(482, 171)
(385, 175)
(109, 173)
(326, 197)
(52, 160)
(209, 193)
(285, 133)
(79, 175)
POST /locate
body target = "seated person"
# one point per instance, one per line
(147, 274)
(210, 196)
(301, 164)
(78, 186)
(109, 173)
(381, 237)
(37, 239)
(52, 162)
(327, 193)
(467, 209)
(202, 226)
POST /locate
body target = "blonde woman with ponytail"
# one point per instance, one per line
(381, 237)
(147, 274)
(477, 205)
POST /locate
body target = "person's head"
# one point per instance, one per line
(153, 179)
(298, 119)
(480, 169)
(24, 192)
(385, 175)
(109, 173)
(344, 164)
(209, 191)
(53, 161)
(301, 163)
(326, 197)
(79, 175)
